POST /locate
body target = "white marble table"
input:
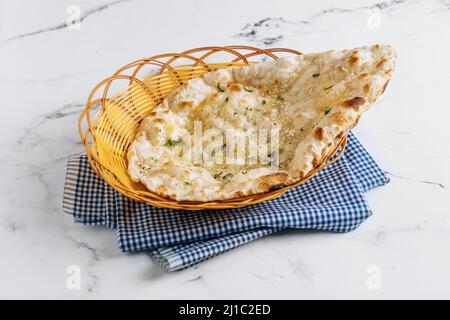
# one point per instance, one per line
(47, 69)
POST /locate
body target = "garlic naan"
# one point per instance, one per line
(312, 99)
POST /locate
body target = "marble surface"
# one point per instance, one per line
(47, 69)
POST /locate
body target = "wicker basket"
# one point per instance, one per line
(117, 104)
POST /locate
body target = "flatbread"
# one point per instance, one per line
(312, 99)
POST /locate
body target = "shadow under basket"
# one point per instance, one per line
(116, 106)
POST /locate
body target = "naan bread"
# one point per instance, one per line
(314, 100)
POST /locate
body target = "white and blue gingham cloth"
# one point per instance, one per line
(333, 200)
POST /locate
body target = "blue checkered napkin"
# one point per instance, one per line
(333, 200)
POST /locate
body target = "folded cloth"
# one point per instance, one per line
(333, 200)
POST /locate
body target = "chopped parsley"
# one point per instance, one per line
(328, 88)
(227, 176)
(219, 88)
(248, 89)
(315, 75)
(244, 172)
(226, 99)
(327, 110)
(173, 143)
(218, 175)
(264, 102)
(280, 98)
